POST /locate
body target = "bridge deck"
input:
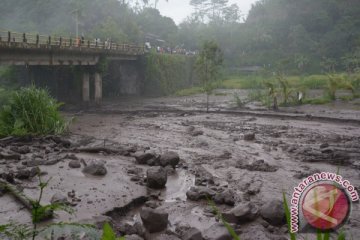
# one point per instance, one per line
(13, 40)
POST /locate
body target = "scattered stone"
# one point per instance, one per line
(196, 133)
(10, 156)
(258, 165)
(254, 188)
(226, 197)
(242, 213)
(143, 157)
(256, 232)
(154, 220)
(217, 232)
(192, 234)
(23, 174)
(95, 169)
(324, 145)
(273, 212)
(74, 164)
(156, 177)
(152, 204)
(133, 237)
(59, 198)
(249, 137)
(165, 237)
(21, 149)
(170, 170)
(34, 162)
(198, 193)
(169, 158)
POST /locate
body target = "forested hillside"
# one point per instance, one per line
(301, 33)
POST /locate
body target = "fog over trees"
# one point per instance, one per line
(302, 33)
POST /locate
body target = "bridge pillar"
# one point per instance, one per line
(86, 87)
(98, 88)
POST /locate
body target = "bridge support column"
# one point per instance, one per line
(98, 88)
(86, 87)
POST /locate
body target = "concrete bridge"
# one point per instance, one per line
(28, 50)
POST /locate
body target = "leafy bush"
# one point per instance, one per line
(31, 111)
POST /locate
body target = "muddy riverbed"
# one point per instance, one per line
(241, 158)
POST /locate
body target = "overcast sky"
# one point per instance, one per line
(180, 9)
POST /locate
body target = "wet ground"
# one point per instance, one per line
(217, 152)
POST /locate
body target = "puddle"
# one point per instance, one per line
(177, 185)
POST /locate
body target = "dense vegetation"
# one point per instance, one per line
(31, 111)
(305, 33)
(165, 74)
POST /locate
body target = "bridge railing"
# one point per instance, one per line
(23, 40)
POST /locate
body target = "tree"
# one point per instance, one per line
(208, 66)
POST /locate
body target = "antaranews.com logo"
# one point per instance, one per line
(323, 201)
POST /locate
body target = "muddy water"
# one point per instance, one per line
(217, 153)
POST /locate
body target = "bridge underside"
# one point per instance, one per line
(56, 57)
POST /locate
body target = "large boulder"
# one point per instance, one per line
(144, 157)
(273, 212)
(156, 177)
(217, 232)
(244, 212)
(169, 159)
(226, 197)
(198, 193)
(192, 234)
(154, 220)
(95, 169)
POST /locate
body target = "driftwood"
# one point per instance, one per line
(20, 197)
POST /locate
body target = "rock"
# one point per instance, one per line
(242, 213)
(74, 164)
(192, 234)
(165, 237)
(256, 232)
(273, 212)
(152, 204)
(143, 157)
(324, 145)
(10, 156)
(21, 149)
(226, 197)
(217, 232)
(254, 188)
(197, 193)
(170, 170)
(249, 137)
(23, 174)
(34, 162)
(169, 158)
(154, 220)
(156, 177)
(133, 237)
(59, 198)
(258, 165)
(95, 169)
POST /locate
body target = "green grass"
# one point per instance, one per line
(31, 111)
(189, 91)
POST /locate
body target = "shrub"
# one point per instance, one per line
(31, 111)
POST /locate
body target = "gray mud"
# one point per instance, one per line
(213, 152)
